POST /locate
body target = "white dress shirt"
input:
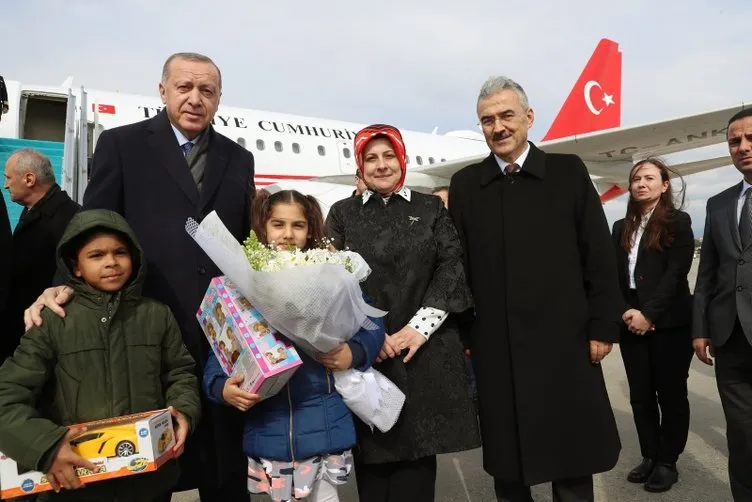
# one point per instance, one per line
(519, 160)
(635, 248)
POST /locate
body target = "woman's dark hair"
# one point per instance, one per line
(658, 233)
(264, 202)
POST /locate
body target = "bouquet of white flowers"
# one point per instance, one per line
(313, 298)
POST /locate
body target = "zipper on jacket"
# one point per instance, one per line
(105, 325)
(112, 305)
(289, 401)
(328, 382)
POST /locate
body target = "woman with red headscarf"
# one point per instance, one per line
(411, 245)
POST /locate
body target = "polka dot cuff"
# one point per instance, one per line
(428, 320)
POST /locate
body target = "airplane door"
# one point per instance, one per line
(82, 151)
(68, 174)
(346, 159)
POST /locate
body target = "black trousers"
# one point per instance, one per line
(564, 490)
(410, 481)
(657, 367)
(733, 371)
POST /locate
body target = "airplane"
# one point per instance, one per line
(315, 155)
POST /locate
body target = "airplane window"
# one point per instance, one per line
(278, 146)
(419, 160)
(241, 142)
(322, 150)
(430, 160)
(295, 148)
(346, 153)
(260, 144)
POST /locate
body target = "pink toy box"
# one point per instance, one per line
(243, 341)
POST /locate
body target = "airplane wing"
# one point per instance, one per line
(659, 138)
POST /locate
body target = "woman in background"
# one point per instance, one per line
(655, 246)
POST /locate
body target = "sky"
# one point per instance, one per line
(416, 64)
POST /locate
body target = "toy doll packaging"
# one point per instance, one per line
(243, 341)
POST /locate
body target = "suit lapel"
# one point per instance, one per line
(535, 163)
(731, 216)
(489, 170)
(216, 164)
(47, 206)
(28, 220)
(162, 140)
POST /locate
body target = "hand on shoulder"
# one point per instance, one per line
(53, 299)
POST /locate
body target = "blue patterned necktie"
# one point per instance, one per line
(745, 220)
(186, 147)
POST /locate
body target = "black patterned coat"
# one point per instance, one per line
(416, 261)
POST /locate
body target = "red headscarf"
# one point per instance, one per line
(391, 133)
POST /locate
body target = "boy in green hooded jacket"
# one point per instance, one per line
(114, 353)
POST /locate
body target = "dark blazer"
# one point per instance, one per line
(542, 270)
(5, 253)
(723, 290)
(139, 171)
(34, 260)
(660, 276)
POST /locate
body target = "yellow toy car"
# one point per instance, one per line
(115, 441)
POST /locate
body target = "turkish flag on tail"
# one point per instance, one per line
(594, 103)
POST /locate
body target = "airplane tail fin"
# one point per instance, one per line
(595, 100)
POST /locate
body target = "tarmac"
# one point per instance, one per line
(703, 474)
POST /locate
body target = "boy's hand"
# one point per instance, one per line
(337, 359)
(181, 431)
(237, 397)
(62, 472)
(51, 298)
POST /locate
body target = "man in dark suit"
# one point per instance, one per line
(157, 174)
(722, 319)
(47, 211)
(542, 270)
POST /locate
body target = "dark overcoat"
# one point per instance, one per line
(139, 171)
(542, 270)
(33, 262)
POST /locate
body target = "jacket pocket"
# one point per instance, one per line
(145, 365)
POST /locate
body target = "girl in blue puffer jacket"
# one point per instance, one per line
(298, 441)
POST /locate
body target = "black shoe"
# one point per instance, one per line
(642, 472)
(663, 478)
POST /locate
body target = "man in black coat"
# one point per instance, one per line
(542, 270)
(158, 173)
(47, 211)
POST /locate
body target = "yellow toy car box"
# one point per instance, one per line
(120, 446)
